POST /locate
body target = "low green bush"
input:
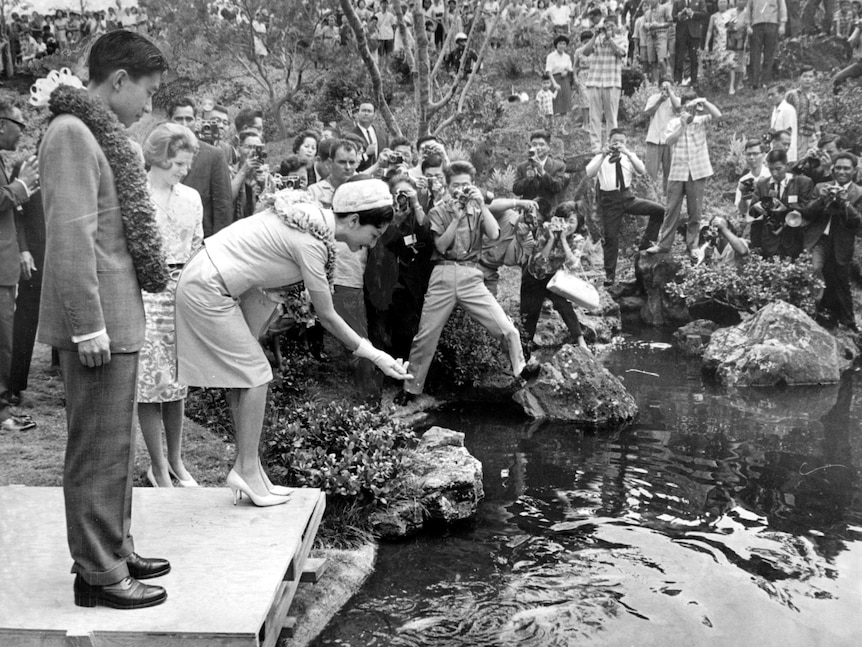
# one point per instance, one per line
(344, 450)
(466, 352)
(759, 282)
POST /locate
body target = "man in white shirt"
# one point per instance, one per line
(783, 118)
(560, 15)
(375, 140)
(753, 153)
(615, 169)
(660, 108)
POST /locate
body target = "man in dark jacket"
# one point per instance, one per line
(541, 178)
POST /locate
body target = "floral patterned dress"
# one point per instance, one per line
(182, 232)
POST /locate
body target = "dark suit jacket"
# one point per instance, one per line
(796, 196)
(693, 25)
(89, 280)
(382, 142)
(210, 176)
(30, 223)
(11, 195)
(548, 187)
(846, 221)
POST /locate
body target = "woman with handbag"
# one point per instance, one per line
(560, 242)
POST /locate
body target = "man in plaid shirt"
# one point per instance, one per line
(689, 169)
(604, 82)
(808, 115)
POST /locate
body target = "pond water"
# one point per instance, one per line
(720, 518)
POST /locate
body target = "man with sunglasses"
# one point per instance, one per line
(12, 195)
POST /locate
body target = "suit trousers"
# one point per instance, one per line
(349, 303)
(462, 285)
(686, 46)
(100, 456)
(837, 297)
(658, 156)
(24, 329)
(764, 42)
(692, 190)
(7, 323)
(533, 294)
(602, 102)
(613, 205)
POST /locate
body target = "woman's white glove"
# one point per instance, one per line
(392, 367)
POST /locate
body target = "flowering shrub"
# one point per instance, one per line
(344, 450)
(467, 351)
(759, 282)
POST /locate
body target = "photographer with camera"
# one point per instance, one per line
(209, 174)
(721, 245)
(777, 207)
(541, 176)
(458, 224)
(660, 108)
(817, 163)
(518, 220)
(690, 17)
(250, 180)
(834, 221)
(753, 153)
(615, 169)
(689, 169)
(604, 81)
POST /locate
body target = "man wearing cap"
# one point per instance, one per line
(459, 224)
(452, 62)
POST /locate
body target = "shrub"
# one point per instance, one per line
(734, 161)
(467, 351)
(344, 450)
(759, 282)
(209, 408)
(632, 105)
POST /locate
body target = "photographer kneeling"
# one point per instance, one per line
(721, 245)
(615, 169)
(777, 207)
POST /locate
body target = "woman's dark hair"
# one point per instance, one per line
(568, 210)
(124, 50)
(290, 165)
(301, 137)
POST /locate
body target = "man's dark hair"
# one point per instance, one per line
(804, 69)
(124, 50)
(588, 35)
(347, 145)
(245, 118)
(616, 131)
(219, 108)
(399, 141)
(846, 155)
(779, 87)
(778, 134)
(776, 157)
(184, 102)
(751, 143)
(665, 79)
(541, 134)
(245, 134)
(425, 138)
(459, 168)
(290, 165)
(840, 142)
(324, 149)
(432, 161)
(301, 137)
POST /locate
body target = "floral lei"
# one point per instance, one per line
(143, 239)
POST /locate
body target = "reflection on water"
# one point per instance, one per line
(720, 518)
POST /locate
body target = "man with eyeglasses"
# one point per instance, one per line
(209, 174)
(217, 114)
(12, 195)
(753, 154)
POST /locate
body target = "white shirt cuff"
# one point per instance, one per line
(24, 184)
(79, 338)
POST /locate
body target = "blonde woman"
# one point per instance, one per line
(169, 151)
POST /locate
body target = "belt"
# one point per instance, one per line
(176, 266)
(464, 263)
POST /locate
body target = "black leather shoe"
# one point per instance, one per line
(125, 594)
(142, 568)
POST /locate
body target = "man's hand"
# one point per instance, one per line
(29, 173)
(529, 205)
(28, 265)
(95, 352)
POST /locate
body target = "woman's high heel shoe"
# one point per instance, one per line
(239, 487)
(278, 490)
(189, 482)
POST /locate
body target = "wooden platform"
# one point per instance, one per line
(235, 569)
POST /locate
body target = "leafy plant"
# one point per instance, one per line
(759, 282)
(501, 182)
(467, 351)
(344, 450)
(632, 106)
(734, 160)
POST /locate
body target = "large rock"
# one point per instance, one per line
(780, 345)
(573, 386)
(654, 272)
(443, 483)
(693, 337)
(598, 328)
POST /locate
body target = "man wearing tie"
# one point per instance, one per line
(689, 16)
(615, 169)
(375, 141)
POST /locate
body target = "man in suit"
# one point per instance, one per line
(209, 174)
(689, 16)
(775, 198)
(766, 20)
(375, 139)
(541, 178)
(92, 312)
(12, 195)
(834, 220)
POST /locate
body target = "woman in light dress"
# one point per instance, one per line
(559, 65)
(169, 151)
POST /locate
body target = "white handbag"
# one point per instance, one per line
(580, 292)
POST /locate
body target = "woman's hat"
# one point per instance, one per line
(361, 195)
(561, 38)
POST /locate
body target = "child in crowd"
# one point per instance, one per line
(545, 99)
(737, 35)
(842, 22)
